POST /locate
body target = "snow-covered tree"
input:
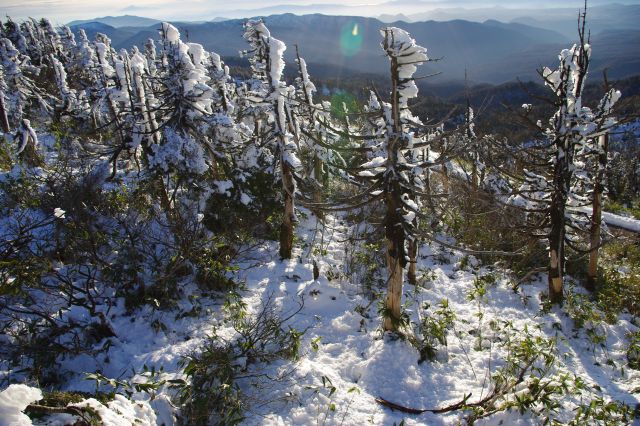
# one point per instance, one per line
(4, 117)
(549, 192)
(268, 101)
(394, 168)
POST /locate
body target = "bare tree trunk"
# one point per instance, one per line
(596, 218)
(556, 260)
(317, 190)
(557, 232)
(395, 255)
(286, 228)
(394, 287)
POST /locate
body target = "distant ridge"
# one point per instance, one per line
(490, 51)
(119, 21)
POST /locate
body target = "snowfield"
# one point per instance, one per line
(344, 348)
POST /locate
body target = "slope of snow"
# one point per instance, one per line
(343, 346)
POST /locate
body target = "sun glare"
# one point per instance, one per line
(350, 39)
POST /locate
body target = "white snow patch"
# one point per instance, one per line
(13, 401)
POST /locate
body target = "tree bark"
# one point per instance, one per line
(286, 228)
(394, 286)
(596, 217)
(395, 255)
(395, 236)
(557, 232)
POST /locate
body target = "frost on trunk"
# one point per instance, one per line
(68, 96)
(4, 117)
(28, 149)
(17, 87)
(145, 132)
(52, 41)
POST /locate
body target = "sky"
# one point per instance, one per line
(63, 11)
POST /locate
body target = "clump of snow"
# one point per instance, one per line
(245, 199)
(179, 152)
(307, 84)
(399, 45)
(223, 186)
(122, 411)
(13, 401)
(276, 50)
(170, 32)
(26, 133)
(59, 213)
(101, 50)
(374, 162)
(257, 32)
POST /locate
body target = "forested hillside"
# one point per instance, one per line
(337, 46)
(183, 244)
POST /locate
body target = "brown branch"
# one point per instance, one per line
(69, 409)
(453, 407)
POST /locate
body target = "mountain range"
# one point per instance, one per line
(489, 51)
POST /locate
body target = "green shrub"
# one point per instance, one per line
(214, 392)
(432, 330)
(228, 215)
(619, 279)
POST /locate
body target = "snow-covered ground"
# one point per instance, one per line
(346, 361)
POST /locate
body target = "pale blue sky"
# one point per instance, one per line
(62, 11)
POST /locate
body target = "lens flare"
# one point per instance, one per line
(350, 39)
(342, 103)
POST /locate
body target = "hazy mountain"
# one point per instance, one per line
(562, 19)
(558, 16)
(117, 35)
(539, 35)
(618, 51)
(394, 18)
(119, 21)
(333, 46)
(602, 18)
